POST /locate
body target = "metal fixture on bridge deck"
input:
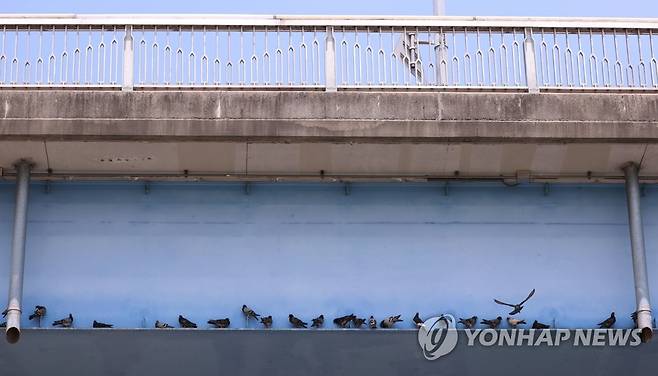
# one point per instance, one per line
(13, 331)
(286, 52)
(644, 321)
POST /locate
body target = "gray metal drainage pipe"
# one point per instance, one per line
(644, 321)
(23, 169)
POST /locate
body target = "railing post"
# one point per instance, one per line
(128, 60)
(330, 60)
(530, 62)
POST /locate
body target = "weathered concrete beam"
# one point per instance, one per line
(310, 116)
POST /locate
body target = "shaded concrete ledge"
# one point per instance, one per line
(311, 116)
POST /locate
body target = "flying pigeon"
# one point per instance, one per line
(344, 321)
(357, 322)
(493, 324)
(538, 325)
(101, 325)
(469, 323)
(162, 325)
(390, 321)
(266, 321)
(297, 323)
(220, 323)
(66, 322)
(185, 323)
(608, 323)
(372, 323)
(39, 312)
(517, 307)
(249, 313)
(417, 320)
(318, 322)
(513, 323)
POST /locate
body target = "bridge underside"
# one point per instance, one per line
(313, 135)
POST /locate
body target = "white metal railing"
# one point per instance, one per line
(328, 52)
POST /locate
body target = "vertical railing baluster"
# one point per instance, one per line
(654, 62)
(27, 67)
(128, 60)
(641, 69)
(593, 62)
(605, 63)
(330, 60)
(3, 56)
(530, 62)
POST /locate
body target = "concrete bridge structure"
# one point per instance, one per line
(470, 158)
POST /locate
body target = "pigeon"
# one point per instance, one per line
(266, 321)
(101, 325)
(517, 307)
(493, 324)
(318, 322)
(220, 323)
(249, 313)
(608, 323)
(469, 323)
(538, 325)
(417, 320)
(66, 322)
(344, 321)
(3, 324)
(39, 312)
(372, 323)
(357, 322)
(185, 323)
(513, 323)
(390, 321)
(162, 325)
(296, 323)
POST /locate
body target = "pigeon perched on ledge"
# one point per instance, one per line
(318, 322)
(372, 323)
(100, 325)
(266, 321)
(220, 323)
(162, 325)
(296, 323)
(513, 323)
(390, 321)
(608, 323)
(492, 324)
(39, 312)
(344, 321)
(417, 320)
(185, 323)
(249, 313)
(469, 323)
(538, 325)
(66, 322)
(357, 322)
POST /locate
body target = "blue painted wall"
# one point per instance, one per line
(112, 253)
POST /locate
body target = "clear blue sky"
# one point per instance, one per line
(608, 8)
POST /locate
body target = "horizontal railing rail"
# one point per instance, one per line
(328, 52)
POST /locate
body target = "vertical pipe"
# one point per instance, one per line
(128, 60)
(644, 321)
(439, 9)
(330, 60)
(13, 332)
